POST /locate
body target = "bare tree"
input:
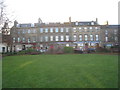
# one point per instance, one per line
(2, 14)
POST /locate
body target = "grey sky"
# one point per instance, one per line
(28, 11)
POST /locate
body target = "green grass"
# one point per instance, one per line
(60, 71)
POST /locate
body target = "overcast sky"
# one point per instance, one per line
(28, 11)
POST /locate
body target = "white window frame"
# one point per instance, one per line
(56, 38)
(67, 37)
(62, 38)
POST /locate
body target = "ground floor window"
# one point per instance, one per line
(67, 45)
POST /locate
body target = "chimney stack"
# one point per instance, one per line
(69, 19)
(97, 20)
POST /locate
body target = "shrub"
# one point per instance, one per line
(68, 49)
(102, 50)
(21, 52)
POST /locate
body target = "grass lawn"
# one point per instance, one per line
(60, 71)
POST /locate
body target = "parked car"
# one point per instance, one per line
(90, 50)
(78, 51)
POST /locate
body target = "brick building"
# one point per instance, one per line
(75, 34)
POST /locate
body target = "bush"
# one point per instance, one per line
(102, 50)
(68, 49)
(21, 52)
(30, 51)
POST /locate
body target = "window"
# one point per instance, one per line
(106, 32)
(80, 37)
(91, 37)
(67, 45)
(106, 39)
(80, 28)
(46, 38)
(41, 39)
(28, 40)
(62, 30)
(76, 23)
(18, 32)
(62, 38)
(29, 31)
(74, 37)
(34, 30)
(86, 37)
(18, 39)
(92, 23)
(85, 28)
(56, 30)
(34, 39)
(14, 40)
(51, 30)
(90, 27)
(67, 29)
(46, 30)
(51, 38)
(96, 37)
(41, 30)
(96, 28)
(116, 38)
(74, 28)
(67, 37)
(23, 31)
(23, 39)
(56, 38)
(115, 31)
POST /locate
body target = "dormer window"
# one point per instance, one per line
(76, 23)
(92, 23)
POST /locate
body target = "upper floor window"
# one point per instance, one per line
(23, 31)
(41, 30)
(74, 37)
(96, 28)
(106, 39)
(91, 37)
(46, 38)
(67, 29)
(46, 30)
(18, 39)
(34, 39)
(51, 38)
(41, 39)
(86, 37)
(62, 38)
(14, 40)
(56, 30)
(56, 38)
(34, 30)
(85, 27)
(115, 31)
(67, 37)
(92, 23)
(51, 30)
(28, 40)
(74, 28)
(23, 39)
(116, 38)
(90, 27)
(62, 30)
(76, 23)
(29, 31)
(96, 37)
(80, 37)
(18, 32)
(106, 32)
